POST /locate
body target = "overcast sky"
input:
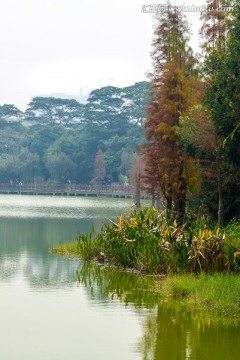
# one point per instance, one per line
(60, 46)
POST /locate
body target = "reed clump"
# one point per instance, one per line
(145, 241)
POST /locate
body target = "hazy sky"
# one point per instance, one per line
(60, 46)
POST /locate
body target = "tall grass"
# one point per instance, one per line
(217, 293)
(144, 240)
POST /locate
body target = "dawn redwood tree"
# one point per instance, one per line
(215, 25)
(173, 83)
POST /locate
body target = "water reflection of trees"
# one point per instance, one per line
(38, 235)
(171, 330)
(8, 267)
(24, 241)
(111, 284)
(24, 245)
(182, 334)
(50, 272)
(43, 271)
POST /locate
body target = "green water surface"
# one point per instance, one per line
(54, 308)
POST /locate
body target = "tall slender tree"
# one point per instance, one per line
(173, 81)
(215, 25)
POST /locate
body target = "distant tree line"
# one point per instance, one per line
(57, 140)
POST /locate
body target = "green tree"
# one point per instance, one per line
(135, 102)
(12, 136)
(222, 102)
(198, 134)
(112, 123)
(9, 168)
(10, 113)
(60, 167)
(38, 141)
(103, 113)
(114, 148)
(51, 111)
(28, 165)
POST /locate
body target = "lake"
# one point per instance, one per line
(55, 308)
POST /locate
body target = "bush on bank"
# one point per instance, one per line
(143, 240)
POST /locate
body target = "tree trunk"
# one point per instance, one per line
(180, 206)
(158, 203)
(137, 192)
(220, 195)
(180, 201)
(169, 208)
(153, 200)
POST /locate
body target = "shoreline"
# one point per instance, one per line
(195, 264)
(215, 294)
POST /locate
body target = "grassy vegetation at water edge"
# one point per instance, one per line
(216, 294)
(143, 240)
(67, 249)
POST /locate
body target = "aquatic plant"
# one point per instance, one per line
(145, 241)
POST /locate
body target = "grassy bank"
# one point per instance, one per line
(216, 294)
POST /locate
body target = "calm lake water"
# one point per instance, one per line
(54, 308)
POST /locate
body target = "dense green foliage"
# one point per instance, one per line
(222, 102)
(57, 140)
